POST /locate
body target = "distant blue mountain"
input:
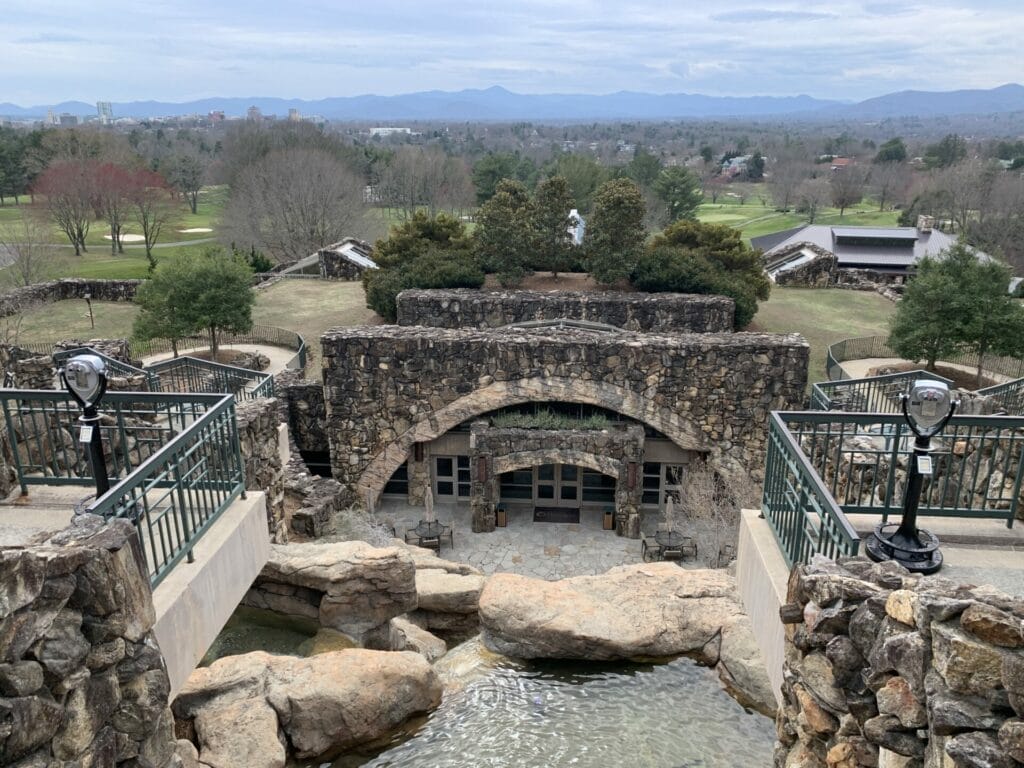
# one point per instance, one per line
(499, 104)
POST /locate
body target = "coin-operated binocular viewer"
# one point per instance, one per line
(85, 377)
(927, 409)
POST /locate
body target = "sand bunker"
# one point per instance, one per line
(128, 238)
(195, 229)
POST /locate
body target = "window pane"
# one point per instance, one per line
(445, 488)
(516, 492)
(652, 482)
(569, 492)
(650, 497)
(444, 466)
(652, 468)
(463, 462)
(597, 480)
(606, 495)
(464, 476)
(463, 490)
(569, 472)
(545, 491)
(546, 472)
(673, 474)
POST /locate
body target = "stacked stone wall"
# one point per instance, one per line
(82, 679)
(261, 455)
(335, 266)
(819, 272)
(646, 312)
(15, 301)
(885, 668)
(389, 387)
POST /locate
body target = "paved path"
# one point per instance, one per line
(858, 369)
(279, 356)
(540, 550)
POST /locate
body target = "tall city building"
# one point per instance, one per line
(105, 112)
(294, 116)
(254, 114)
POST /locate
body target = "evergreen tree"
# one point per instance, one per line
(502, 237)
(615, 231)
(553, 246)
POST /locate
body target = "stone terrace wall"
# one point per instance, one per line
(82, 679)
(888, 669)
(67, 288)
(388, 387)
(648, 312)
(261, 455)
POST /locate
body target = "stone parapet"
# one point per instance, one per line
(647, 312)
(887, 668)
(15, 301)
(82, 679)
(258, 437)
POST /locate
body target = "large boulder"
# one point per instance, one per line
(630, 612)
(351, 586)
(244, 709)
(443, 592)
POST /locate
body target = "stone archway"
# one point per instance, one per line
(499, 394)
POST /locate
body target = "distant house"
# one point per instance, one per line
(818, 254)
(346, 260)
(839, 163)
(577, 227)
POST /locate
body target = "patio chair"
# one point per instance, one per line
(448, 532)
(411, 537)
(649, 549)
(432, 542)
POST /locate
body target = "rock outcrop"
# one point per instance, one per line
(350, 586)
(245, 710)
(630, 612)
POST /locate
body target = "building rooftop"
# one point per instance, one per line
(883, 255)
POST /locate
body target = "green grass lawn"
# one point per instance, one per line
(308, 307)
(823, 316)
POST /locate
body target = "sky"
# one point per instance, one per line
(120, 50)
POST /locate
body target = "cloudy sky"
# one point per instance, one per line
(121, 50)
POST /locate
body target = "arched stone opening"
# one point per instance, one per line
(638, 406)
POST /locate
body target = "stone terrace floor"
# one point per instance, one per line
(540, 550)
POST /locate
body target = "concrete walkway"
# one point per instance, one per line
(279, 356)
(858, 369)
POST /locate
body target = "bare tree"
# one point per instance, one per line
(113, 184)
(847, 186)
(713, 506)
(812, 195)
(69, 188)
(424, 178)
(25, 249)
(293, 202)
(889, 182)
(151, 208)
(785, 177)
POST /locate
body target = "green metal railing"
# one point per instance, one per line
(173, 460)
(798, 507)
(114, 367)
(878, 346)
(190, 374)
(1009, 397)
(42, 430)
(858, 462)
(880, 394)
(181, 490)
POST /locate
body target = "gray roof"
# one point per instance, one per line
(767, 242)
(889, 233)
(925, 244)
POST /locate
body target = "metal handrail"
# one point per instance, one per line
(1009, 396)
(180, 491)
(799, 509)
(192, 374)
(878, 346)
(874, 393)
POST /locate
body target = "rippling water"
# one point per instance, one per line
(502, 713)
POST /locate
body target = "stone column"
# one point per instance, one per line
(419, 473)
(483, 493)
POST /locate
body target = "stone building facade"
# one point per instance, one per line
(398, 397)
(616, 453)
(886, 668)
(643, 312)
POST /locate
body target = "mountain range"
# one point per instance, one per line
(497, 103)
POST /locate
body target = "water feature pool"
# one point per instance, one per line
(504, 713)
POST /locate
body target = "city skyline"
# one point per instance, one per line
(57, 51)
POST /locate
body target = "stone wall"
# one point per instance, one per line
(261, 455)
(82, 679)
(617, 451)
(884, 668)
(307, 414)
(648, 312)
(335, 266)
(819, 272)
(389, 387)
(67, 288)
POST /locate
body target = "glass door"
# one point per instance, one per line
(556, 485)
(568, 485)
(545, 485)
